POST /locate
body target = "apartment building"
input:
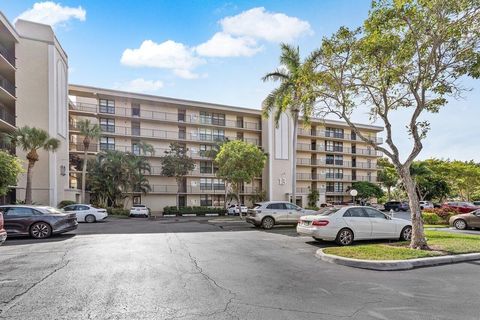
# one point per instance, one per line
(129, 119)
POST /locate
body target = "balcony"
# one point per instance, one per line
(334, 177)
(7, 55)
(339, 150)
(335, 135)
(336, 163)
(7, 120)
(7, 91)
(165, 117)
(210, 190)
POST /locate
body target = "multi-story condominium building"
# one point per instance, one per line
(128, 119)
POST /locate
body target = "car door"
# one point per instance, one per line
(17, 220)
(357, 220)
(294, 213)
(382, 226)
(278, 210)
(475, 219)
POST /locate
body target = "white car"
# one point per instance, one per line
(233, 209)
(347, 224)
(426, 205)
(86, 212)
(139, 210)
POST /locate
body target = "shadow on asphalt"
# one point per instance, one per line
(21, 240)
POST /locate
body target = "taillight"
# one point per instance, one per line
(320, 223)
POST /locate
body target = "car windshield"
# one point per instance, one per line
(54, 210)
(138, 206)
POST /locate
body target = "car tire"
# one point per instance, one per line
(460, 224)
(396, 209)
(317, 239)
(406, 234)
(40, 230)
(146, 215)
(268, 223)
(344, 237)
(90, 218)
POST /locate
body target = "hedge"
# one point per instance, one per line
(118, 211)
(443, 214)
(65, 203)
(193, 210)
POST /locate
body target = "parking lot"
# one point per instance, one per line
(213, 268)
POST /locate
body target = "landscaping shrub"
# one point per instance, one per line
(65, 203)
(118, 211)
(312, 208)
(193, 210)
(443, 213)
(431, 218)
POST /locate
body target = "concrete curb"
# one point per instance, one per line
(395, 265)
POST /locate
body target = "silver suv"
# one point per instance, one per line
(269, 213)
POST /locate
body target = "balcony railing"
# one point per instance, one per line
(8, 55)
(166, 116)
(7, 85)
(195, 190)
(336, 163)
(334, 177)
(344, 150)
(336, 135)
(7, 116)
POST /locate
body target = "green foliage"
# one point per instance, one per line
(176, 162)
(118, 211)
(31, 138)
(367, 190)
(88, 130)
(65, 203)
(239, 163)
(429, 185)
(313, 197)
(192, 210)
(10, 168)
(259, 196)
(443, 213)
(431, 218)
(387, 175)
(312, 208)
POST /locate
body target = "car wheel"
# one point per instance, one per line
(344, 237)
(406, 234)
(268, 223)
(396, 209)
(90, 218)
(146, 215)
(40, 230)
(460, 224)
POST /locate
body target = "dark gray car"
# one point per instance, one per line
(36, 221)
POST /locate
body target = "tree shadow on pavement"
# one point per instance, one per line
(22, 240)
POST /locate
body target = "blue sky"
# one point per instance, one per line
(217, 51)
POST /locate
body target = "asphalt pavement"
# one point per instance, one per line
(203, 268)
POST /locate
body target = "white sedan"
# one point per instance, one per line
(86, 212)
(347, 224)
(233, 209)
(139, 210)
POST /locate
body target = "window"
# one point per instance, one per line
(205, 150)
(136, 148)
(334, 159)
(291, 206)
(135, 109)
(135, 128)
(334, 173)
(107, 143)
(330, 159)
(205, 200)
(355, 213)
(218, 134)
(107, 106)
(211, 184)
(334, 132)
(218, 119)
(374, 213)
(218, 201)
(206, 167)
(205, 117)
(276, 206)
(205, 134)
(107, 125)
(21, 212)
(334, 146)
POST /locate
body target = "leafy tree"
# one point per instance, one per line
(289, 96)
(89, 132)
(259, 196)
(10, 168)
(387, 175)
(137, 182)
(176, 163)
(239, 163)
(367, 190)
(409, 55)
(313, 197)
(30, 139)
(428, 184)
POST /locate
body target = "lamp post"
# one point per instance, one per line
(353, 193)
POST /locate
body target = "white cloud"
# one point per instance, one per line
(49, 12)
(166, 55)
(224, 45)
(140, 85)
(261, 24)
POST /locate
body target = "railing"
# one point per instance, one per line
(195, 190)
(9, 56)
(344, 150)
(7, 85)
(334, 177)
(336, 135)
(7, 116)
(336, 163)
(166, 116)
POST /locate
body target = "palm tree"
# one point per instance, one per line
(137, 182)
(292, 95)
(89, 131)
(30, 139)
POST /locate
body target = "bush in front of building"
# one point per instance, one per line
(192, 210)
(443, 213)
(65, 203)
(118, 211)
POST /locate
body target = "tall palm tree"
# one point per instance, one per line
(293, 95)
(89, 132)
(137, 182)
(30, 139)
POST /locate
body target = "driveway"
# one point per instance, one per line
(204, 268)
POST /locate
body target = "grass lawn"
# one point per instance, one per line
(442, 242)
(436, 226)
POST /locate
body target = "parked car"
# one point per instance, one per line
(347, 224)
(396, 206)
(426, 205)
(463, 207)
(86, 212)
(233, 209)
(3, 232)
(139, 210)
(466, 220)
(37, 221)
(270, 213)
(476, 203)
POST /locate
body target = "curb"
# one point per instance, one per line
(395, 265)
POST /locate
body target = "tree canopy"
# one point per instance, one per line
(10, 168)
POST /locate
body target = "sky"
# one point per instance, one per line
(217, 51)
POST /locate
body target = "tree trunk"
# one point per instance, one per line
(177, 196)
(84, 173)
(28, 188)
(238, 203)
(389, 193)
(226, 194)
(418, 236)
(294, 158)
